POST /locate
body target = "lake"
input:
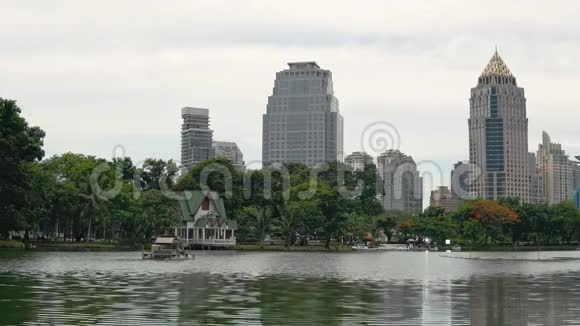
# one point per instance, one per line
(291, 288)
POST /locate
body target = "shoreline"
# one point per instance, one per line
(116, 247)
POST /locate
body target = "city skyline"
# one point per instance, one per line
(378, 68)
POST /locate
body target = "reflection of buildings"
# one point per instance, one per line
(498, 134)
(230, 151)
(403, 186)
(196, 137)
(302, 123)
(557, 170)
(358, 160)
(443, 198)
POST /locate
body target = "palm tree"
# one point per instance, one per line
(263, 222)
(289, 222)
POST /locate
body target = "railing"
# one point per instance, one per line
(218, 242)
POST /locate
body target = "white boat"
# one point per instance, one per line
(167, 247)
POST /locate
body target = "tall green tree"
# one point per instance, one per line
(19, 144)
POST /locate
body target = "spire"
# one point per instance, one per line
(496, 67)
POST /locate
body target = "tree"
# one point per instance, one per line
(19, 143)
(157, 171)
(289, 221)
(567, 218)
(217, 175)
(492, 216)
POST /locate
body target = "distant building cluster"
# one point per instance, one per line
(358, 160)
(303, 124)
(197, 144)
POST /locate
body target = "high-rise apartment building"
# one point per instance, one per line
(557, 170)
(196, 137)
(302, 123)
(498, 134)
(577, 173)
(229, 151)
(358, 160)
(403, 185)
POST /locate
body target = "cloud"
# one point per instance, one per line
(95, 75)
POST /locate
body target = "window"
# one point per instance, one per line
(205, 204)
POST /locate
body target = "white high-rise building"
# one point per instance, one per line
(229, 151)
(536, 178)
(196, 137)
(498, 134)
(302, 123)
(358, 160)
(403, 185)
(557, 170)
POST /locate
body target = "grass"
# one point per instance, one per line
(11, 244)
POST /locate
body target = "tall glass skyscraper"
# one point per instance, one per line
(302, 123)
(498, 134)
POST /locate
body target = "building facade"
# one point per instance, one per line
(557, 170)
(204, 222)
(358, 160)
(196, 137)
(402, 183)
(442, 197)
(230, 151)
(498, 134)
(460, 181)
(302, 123)
(536, 179)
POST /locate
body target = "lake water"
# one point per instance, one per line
(291, 288)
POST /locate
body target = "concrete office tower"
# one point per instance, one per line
(460, 181)
(302, 123)
(196, 137)
(536, 179)
(358, 160)
(557, 170)
(229, 151)
(442, 197)
(403, 185)
(498, 134)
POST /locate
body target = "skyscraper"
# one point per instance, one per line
(459, 181)
(403, 186)
(498, 134)
(229, 151)
(442, 197)
(557, 170)
(536, 179)
(358, 160)
(196, 137)
(302, 123)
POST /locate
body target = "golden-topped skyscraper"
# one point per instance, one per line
(498, 134)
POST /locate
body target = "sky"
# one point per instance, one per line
(106, 76)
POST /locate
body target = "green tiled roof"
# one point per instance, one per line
(190, 206)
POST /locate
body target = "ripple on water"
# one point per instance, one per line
(288, 289)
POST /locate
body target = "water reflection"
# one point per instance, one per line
(285, 289)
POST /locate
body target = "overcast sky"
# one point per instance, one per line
(98, 74)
